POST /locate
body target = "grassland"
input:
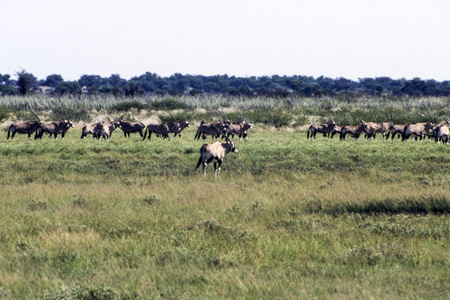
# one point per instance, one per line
(288, 218)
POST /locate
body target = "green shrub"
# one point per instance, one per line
(128, 105)
(168, 104)
(4, 113)
(277, 118)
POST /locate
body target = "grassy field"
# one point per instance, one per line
(288, 218)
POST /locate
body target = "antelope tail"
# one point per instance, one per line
(9, 132)
(198, 163)
(307, 135)
(145, 135)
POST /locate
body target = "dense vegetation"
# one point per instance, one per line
(179, 84)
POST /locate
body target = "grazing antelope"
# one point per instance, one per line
(214, 129)
(28, 127)
(354, 130)
(325, 128)
(238, 128)
(215, 152)
(159, 129)
(130, 127)
(418, 130)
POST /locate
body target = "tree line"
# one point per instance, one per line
(178, 84)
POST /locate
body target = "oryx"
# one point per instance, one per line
(322, 128)
(54, 128)
(159, 129)
(215, 152)
(238, 128)
(354, 130)
(214, 129)
(441, 133)
(130, 127)
(418, 130)
(105, 130)
(28, 127)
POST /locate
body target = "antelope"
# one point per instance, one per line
(105, 130)
(397, 129)
(213, 129)
(325, 128)
(54, 128)
(215, 152)
(238, 128)
(28, 127)
(441, 133)
(354, 130)
(159, 129)
(130, 127)
(336, 129)
(178, 127)
(88, 129)
(418, 130)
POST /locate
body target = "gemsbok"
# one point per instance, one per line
(418, 130)
(159, 129)
(441, 133)
(130, 127)
(28, 127)
(214, 129)
(53, 128)
(325, 128)
(238, 128)
(215, 152)
(105, 130)
(353, 130)
(89, 129)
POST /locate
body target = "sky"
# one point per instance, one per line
(333, 38)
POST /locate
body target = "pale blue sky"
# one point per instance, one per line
(340, 38)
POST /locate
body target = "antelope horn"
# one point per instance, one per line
(173, 117)
(35, 115)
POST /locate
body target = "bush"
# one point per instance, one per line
(277, 118)
(168, 104)
(128, 105)
(4, 113)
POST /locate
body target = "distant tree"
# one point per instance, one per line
(53, 80)
(25, 82)
(68, 87)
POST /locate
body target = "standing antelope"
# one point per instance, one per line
(28, 127)
(88, 129)
(53, 128)
(215, 152)
(178, 127)
(159, 129)
(213, 129)
(334, 131)
(322, 128)
(105, 130)
(396, 130)
(130, 127)
(238, 128)
(441, 133)
(417, 130)
(354, 130)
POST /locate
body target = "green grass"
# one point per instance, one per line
(288, 218)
